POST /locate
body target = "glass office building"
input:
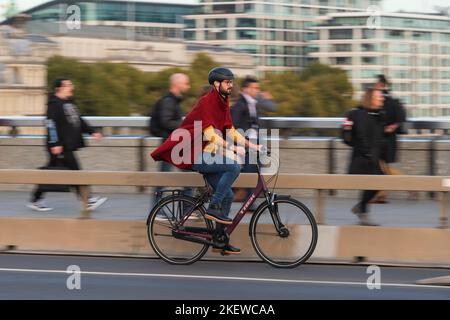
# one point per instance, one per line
(146, 19)
(277, 33)
(413, 50)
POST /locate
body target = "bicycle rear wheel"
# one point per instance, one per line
(296, 241)
(161, 223)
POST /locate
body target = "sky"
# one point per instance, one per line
(389, 5)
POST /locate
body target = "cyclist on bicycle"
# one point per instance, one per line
(217, 157)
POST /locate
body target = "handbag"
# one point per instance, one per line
(55, 187)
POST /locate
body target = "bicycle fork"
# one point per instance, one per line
(275, 215)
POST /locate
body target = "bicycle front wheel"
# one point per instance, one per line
(294, 243)
(162, 221)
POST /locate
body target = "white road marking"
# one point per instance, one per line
(204, 277)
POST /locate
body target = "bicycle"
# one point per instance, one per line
(185, 240)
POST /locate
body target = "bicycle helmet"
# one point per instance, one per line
(220, 74)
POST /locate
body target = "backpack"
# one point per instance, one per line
(154, 124)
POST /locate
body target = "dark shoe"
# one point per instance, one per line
(228, 249)
(357, 209)
(214, 213)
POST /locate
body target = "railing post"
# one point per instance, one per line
(443, 223)
(84, 194)
(319, 207)
(432, 162)
(142, 162)
(331, 161)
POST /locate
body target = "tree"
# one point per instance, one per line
(319, 90)
(109, 89)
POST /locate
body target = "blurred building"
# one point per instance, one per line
(275, 33)
(413, 50)
(148, 36)
(23, 76)
(135, 20)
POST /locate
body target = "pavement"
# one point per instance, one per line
(397, 213)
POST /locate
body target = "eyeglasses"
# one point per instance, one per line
(228, 82)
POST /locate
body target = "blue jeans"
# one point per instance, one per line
(221, 177)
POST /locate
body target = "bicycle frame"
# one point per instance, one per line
(193, 233)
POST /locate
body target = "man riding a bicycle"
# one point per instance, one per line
(218, 157)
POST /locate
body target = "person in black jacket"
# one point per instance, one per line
(395, 116)
(363, 129)
(166, 116)
(245, 114)
(64, 136)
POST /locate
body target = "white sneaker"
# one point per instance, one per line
(95, 202)
(39, 206)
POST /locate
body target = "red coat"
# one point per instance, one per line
(211, 110)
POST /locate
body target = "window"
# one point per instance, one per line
(422, 36)
(369, 73)
(190, 35)
(224, 8)
(445, 37)
(271, 24)
(426, 74)
(400, 47)
(274, 61)
(368, 34)
(189, 23)
(342, 47)
(400, 61)
(247, 34)
(369, 60)
(270, 35)
(291, 36)
(246, 23)
(343, 61)
(401, 74)
(249, 48)
(249, 7)
(341, 34)
(445, 74)
(274, 50)
(426, 62)
(310, 36)
(394, 34)
(425, 87)
(216, 34)
(368, 47)
(445, 99)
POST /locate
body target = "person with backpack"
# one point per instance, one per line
(363, 130)
(166, 115)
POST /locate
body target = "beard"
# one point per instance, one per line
(224, 92)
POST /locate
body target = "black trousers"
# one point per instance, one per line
(66, 159)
